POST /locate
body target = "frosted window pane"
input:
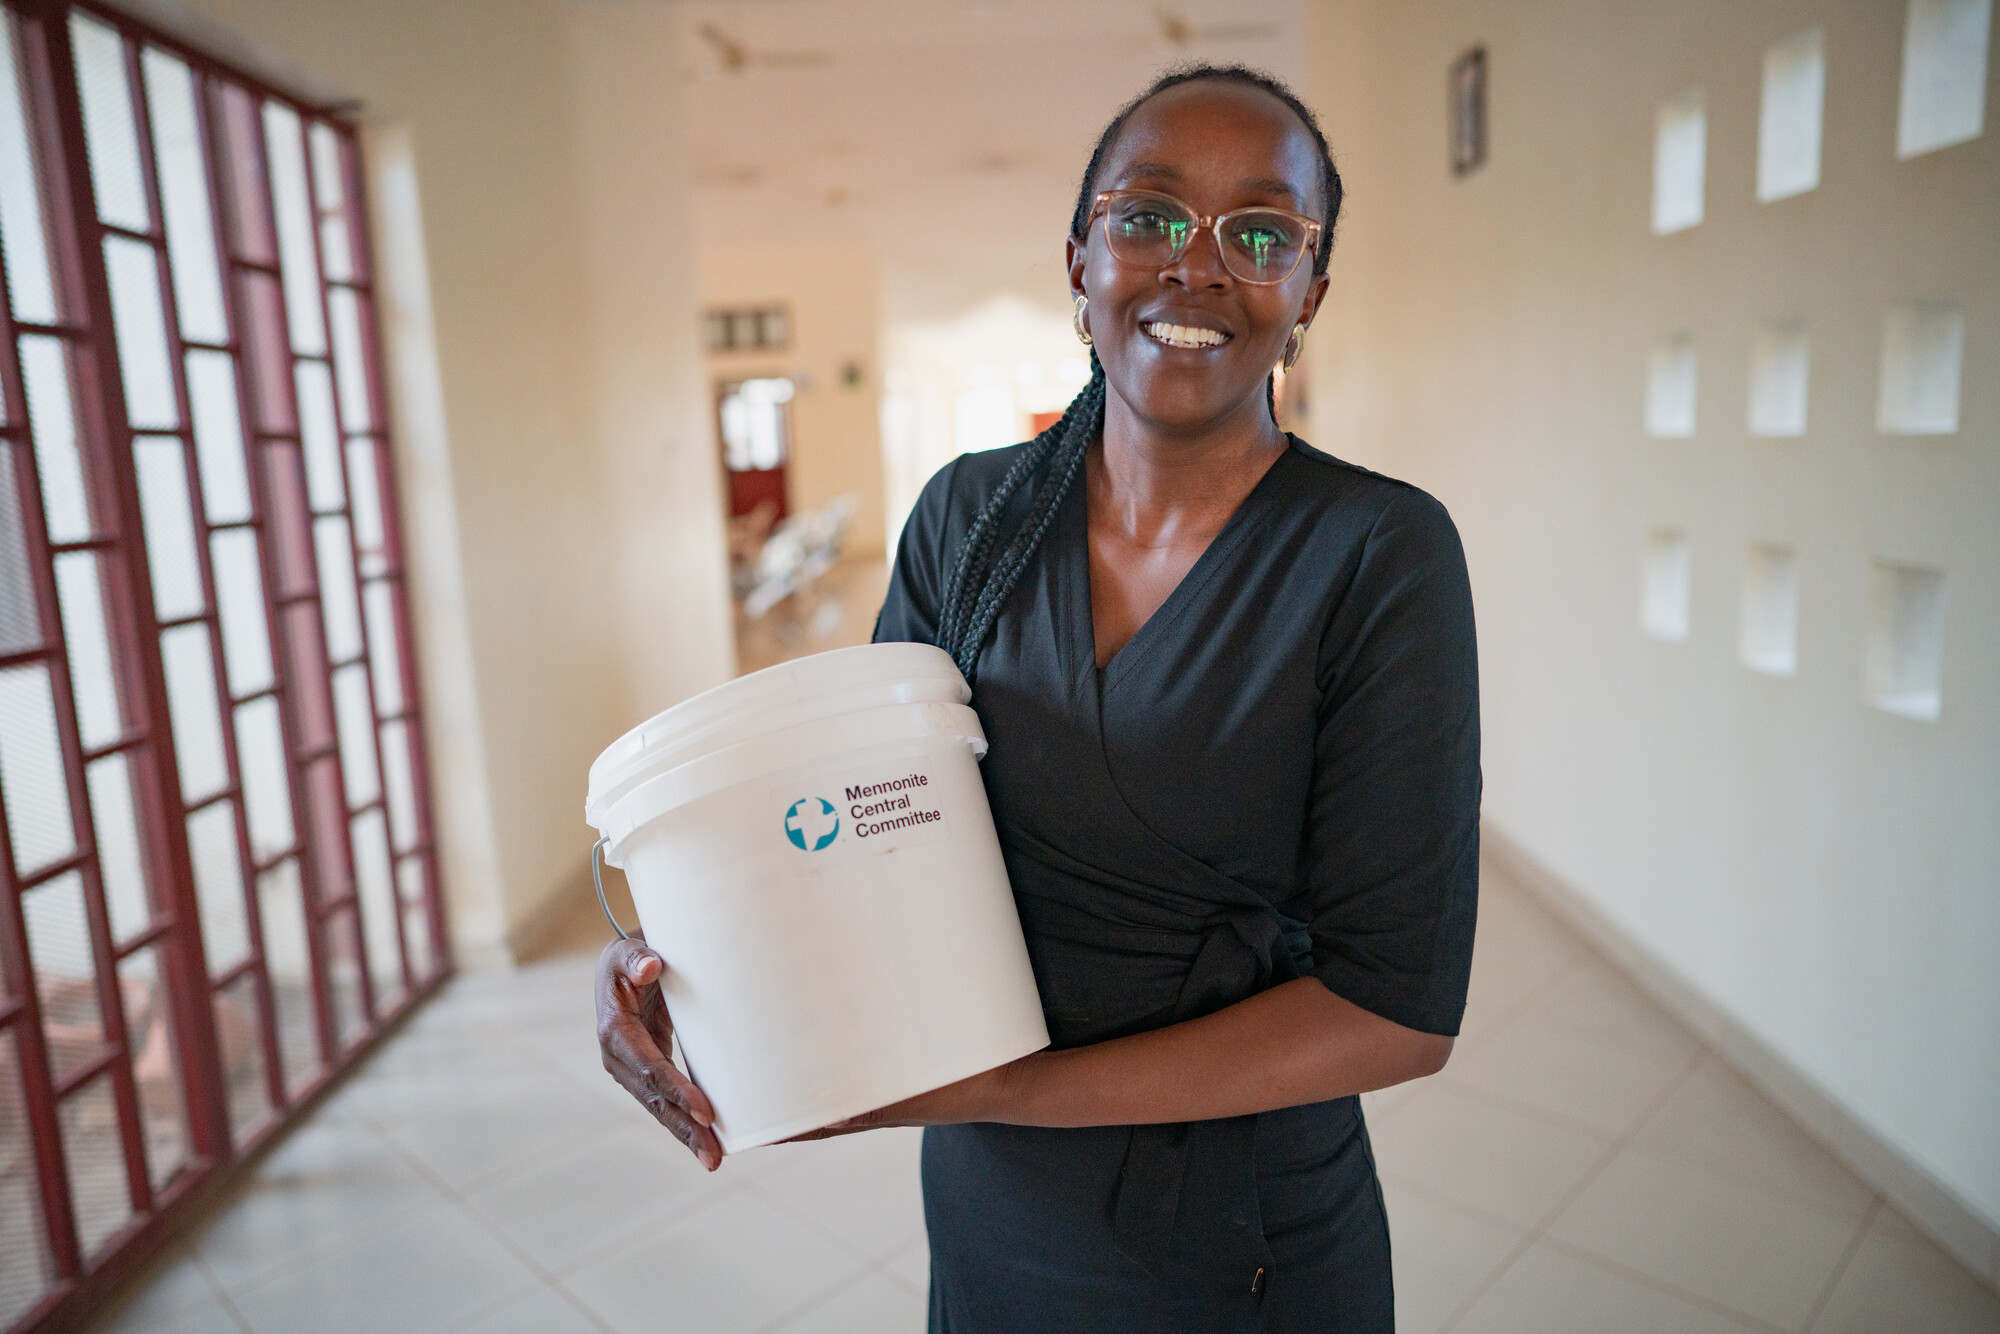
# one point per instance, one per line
(65, 970)
(177, 157)
(281, 905)
(140, 322)
(218, 436)
(1944, 74)
(45, 372)
(191, 702)
(267, 800)
(346, 312)
(31, 770)
(1904, 664)
(379, 602)
(1670, 389)
(1788, 132)
(155, 1065)
(218, 886)
(285, 151)
(320, 436)
(337, 600)
(23, 227)
(1769, 634)
(365, 506)
(356, 725)
(239, 596)
(1779, 362)
(119, 859)
(399, 785)
(1680, 160)
(374, 880)
(169, 520)
(100, 1199)
(93, 682)
(1923, 346)
(108, 124)
(20, 621)
(335, 250)
(237, 1029)
(1665, 586)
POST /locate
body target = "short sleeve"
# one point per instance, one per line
(1391, 847)
(916, 583)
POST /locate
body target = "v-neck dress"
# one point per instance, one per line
(1277, 777)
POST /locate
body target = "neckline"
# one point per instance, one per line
(1082, 636)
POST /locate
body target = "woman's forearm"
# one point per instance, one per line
(1296, 1043)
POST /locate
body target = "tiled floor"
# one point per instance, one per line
(1583, 1166)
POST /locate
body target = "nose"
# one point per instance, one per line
(1200, 267)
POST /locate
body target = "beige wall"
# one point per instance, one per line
(833, 295)
(1821, 871)
(560, 482)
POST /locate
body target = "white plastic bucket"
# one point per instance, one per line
(810, 849)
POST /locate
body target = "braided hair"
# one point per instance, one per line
(986, 569)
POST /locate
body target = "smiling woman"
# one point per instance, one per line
(1231, 689)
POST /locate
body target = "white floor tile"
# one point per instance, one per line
(1591, 999)
(1547, 1292)
(1607, 1087)
(1497, 1159)
(326, 1184)
(1765, 1255)
(732, 1267)
(872, 1305)
(911, 1266)
(207, 1316)
(176, 1283)
(1442, 1255)
(530, 1122)
(539, 1310)
(584, 1202)
(862, 1190)
(1899, 1281)
(1717, 1121)
(1519, 950)
(413, 1277)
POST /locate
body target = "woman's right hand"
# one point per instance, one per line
(637, 1040)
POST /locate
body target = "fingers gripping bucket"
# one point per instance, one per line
(810, 849)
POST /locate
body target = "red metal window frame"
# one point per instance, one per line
(295, 558)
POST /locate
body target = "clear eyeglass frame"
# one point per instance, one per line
(1213, 224)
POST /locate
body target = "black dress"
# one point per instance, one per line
(1277, 777)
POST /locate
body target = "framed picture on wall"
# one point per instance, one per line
(1468, 111)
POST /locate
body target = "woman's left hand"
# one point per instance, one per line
(984, 1097)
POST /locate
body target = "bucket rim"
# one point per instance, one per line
(816, 687)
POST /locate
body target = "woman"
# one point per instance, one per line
(1231, 690)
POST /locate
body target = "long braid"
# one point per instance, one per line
(980, 581)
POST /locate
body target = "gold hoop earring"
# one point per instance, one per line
(1082, 333)
(1295, 345)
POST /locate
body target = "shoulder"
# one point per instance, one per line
(1365, 505)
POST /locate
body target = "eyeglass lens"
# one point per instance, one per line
(1258, 245)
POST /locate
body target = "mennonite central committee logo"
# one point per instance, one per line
(812, 823)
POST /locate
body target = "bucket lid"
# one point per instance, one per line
(822, 685)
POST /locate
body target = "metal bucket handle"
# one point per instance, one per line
(597, 878)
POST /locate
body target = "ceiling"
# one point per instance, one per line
(948, 134)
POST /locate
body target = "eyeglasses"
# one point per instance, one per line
(1260, 246)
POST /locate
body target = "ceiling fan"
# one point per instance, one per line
(735, 56)
(1175, 29)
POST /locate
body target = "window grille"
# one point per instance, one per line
(217, 878)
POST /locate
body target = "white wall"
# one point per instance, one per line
(1823, 871)
(832, 293)
(567, 545)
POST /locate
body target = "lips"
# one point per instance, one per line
(1183, 335)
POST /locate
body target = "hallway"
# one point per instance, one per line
(1583, 1166)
